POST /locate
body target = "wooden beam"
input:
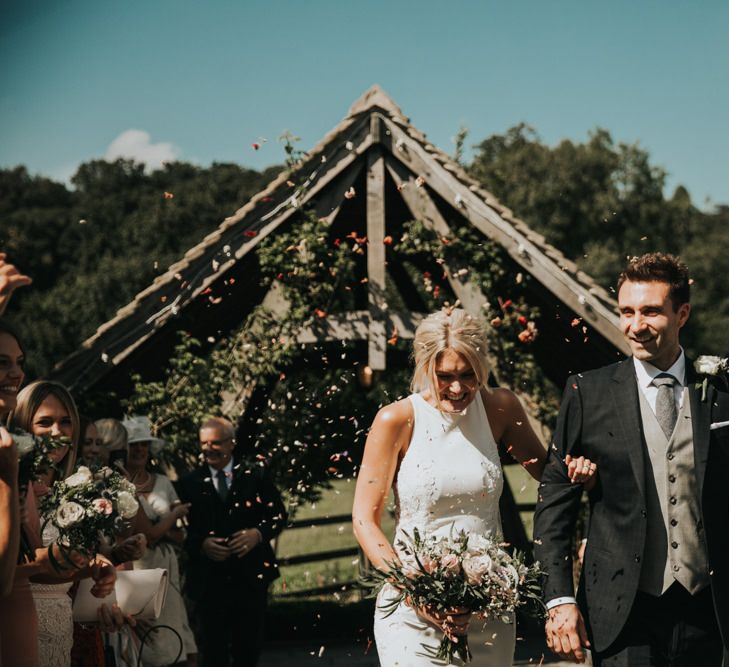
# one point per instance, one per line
(472, 299)
(355, 326)
(376, 271)
(525, 253)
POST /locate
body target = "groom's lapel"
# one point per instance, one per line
(700, 420)
(624, 390)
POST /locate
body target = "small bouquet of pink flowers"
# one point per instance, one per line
(87, 506)
(461, 571)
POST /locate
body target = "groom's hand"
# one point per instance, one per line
(566, 634)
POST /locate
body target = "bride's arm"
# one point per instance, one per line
(388, 437)
(516, 432)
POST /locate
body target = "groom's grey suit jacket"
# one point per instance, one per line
(600, 418)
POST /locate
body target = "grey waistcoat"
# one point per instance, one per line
(675, 549)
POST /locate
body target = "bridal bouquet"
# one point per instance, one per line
(86, 506)
(468, 571)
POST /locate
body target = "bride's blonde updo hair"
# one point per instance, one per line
(451, 328)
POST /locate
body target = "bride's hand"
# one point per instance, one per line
(581, 471)
(453, 622)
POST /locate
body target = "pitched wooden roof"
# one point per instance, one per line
(374, 126)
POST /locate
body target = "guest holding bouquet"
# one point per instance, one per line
(46, 409)
(438, 449)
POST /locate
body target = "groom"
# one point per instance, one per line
(654, 588)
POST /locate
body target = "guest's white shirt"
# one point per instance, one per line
(227, 469)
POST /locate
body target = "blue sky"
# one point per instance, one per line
(204, 80)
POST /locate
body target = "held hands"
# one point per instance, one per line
(453, 623)
(581, 471)
(104, 575)
(244, 541)
(566, 634)
(216, 548)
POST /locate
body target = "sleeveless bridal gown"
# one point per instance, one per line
(450, 479)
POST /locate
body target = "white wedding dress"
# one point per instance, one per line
(55, 616)
(449, 480)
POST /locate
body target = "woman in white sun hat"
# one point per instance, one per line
(162, 510)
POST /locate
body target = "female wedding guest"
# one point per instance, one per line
(90, 445)
(438, 449)
(112, 438)
(11, 377)
(46, 407)
(17, 612)
(162, 510)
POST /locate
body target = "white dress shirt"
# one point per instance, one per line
(645, 373)
(227, 469)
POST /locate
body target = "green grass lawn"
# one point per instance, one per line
(338, 501)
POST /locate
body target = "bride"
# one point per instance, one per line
(438, 450)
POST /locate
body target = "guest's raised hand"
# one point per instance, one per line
(216, 548)
(113, 619)
(581, 470)
(242, 542)
(104, 575)
(10, 280)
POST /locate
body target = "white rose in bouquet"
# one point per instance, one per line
(68, 514)
(102, 505)
(127, 504)
(81, 476)
(478, 544)
(475, 567)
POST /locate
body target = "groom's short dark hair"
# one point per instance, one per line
(663, 268)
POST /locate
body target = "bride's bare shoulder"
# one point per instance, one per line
(395, 415)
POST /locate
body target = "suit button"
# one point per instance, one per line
(637, 558)
(673, 500)
(674, 522)
(674, 545)
(644, 513)
(676, 568)
(670, 456)
(672, 478)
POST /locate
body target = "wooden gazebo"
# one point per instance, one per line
(397, 175)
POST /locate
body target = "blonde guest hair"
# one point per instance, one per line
(112, 434)
(451, 328)
(30, 399)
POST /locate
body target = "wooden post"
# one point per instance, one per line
(376, 272)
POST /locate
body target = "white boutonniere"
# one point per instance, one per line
(710, 366)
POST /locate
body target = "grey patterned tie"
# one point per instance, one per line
(222, 485)
(666, 412)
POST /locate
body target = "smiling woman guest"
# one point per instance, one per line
(47, 408)
(158, 522)
(17, 612)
